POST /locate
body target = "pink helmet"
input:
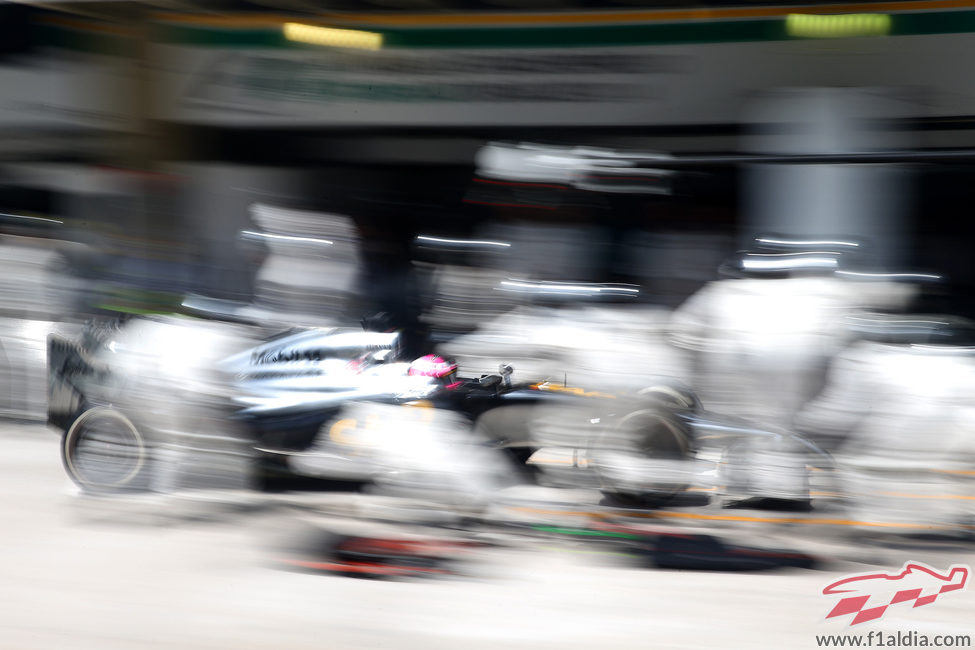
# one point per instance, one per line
(432, 365)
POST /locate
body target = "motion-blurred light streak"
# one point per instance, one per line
(332, 37)
(842, 26)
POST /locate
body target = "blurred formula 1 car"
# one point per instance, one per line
(116, 389)
(325, 403)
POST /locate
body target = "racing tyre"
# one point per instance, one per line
(647, 434)
(103, 451)
(672, 394)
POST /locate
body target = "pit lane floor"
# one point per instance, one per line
(80, 573)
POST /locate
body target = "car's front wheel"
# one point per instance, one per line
(643, 460)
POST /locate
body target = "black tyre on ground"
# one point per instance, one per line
(645, 434)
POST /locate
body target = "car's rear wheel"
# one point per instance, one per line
(103, 451)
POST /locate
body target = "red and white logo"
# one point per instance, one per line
(868, 595)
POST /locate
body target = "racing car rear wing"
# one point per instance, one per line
(66, 365)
